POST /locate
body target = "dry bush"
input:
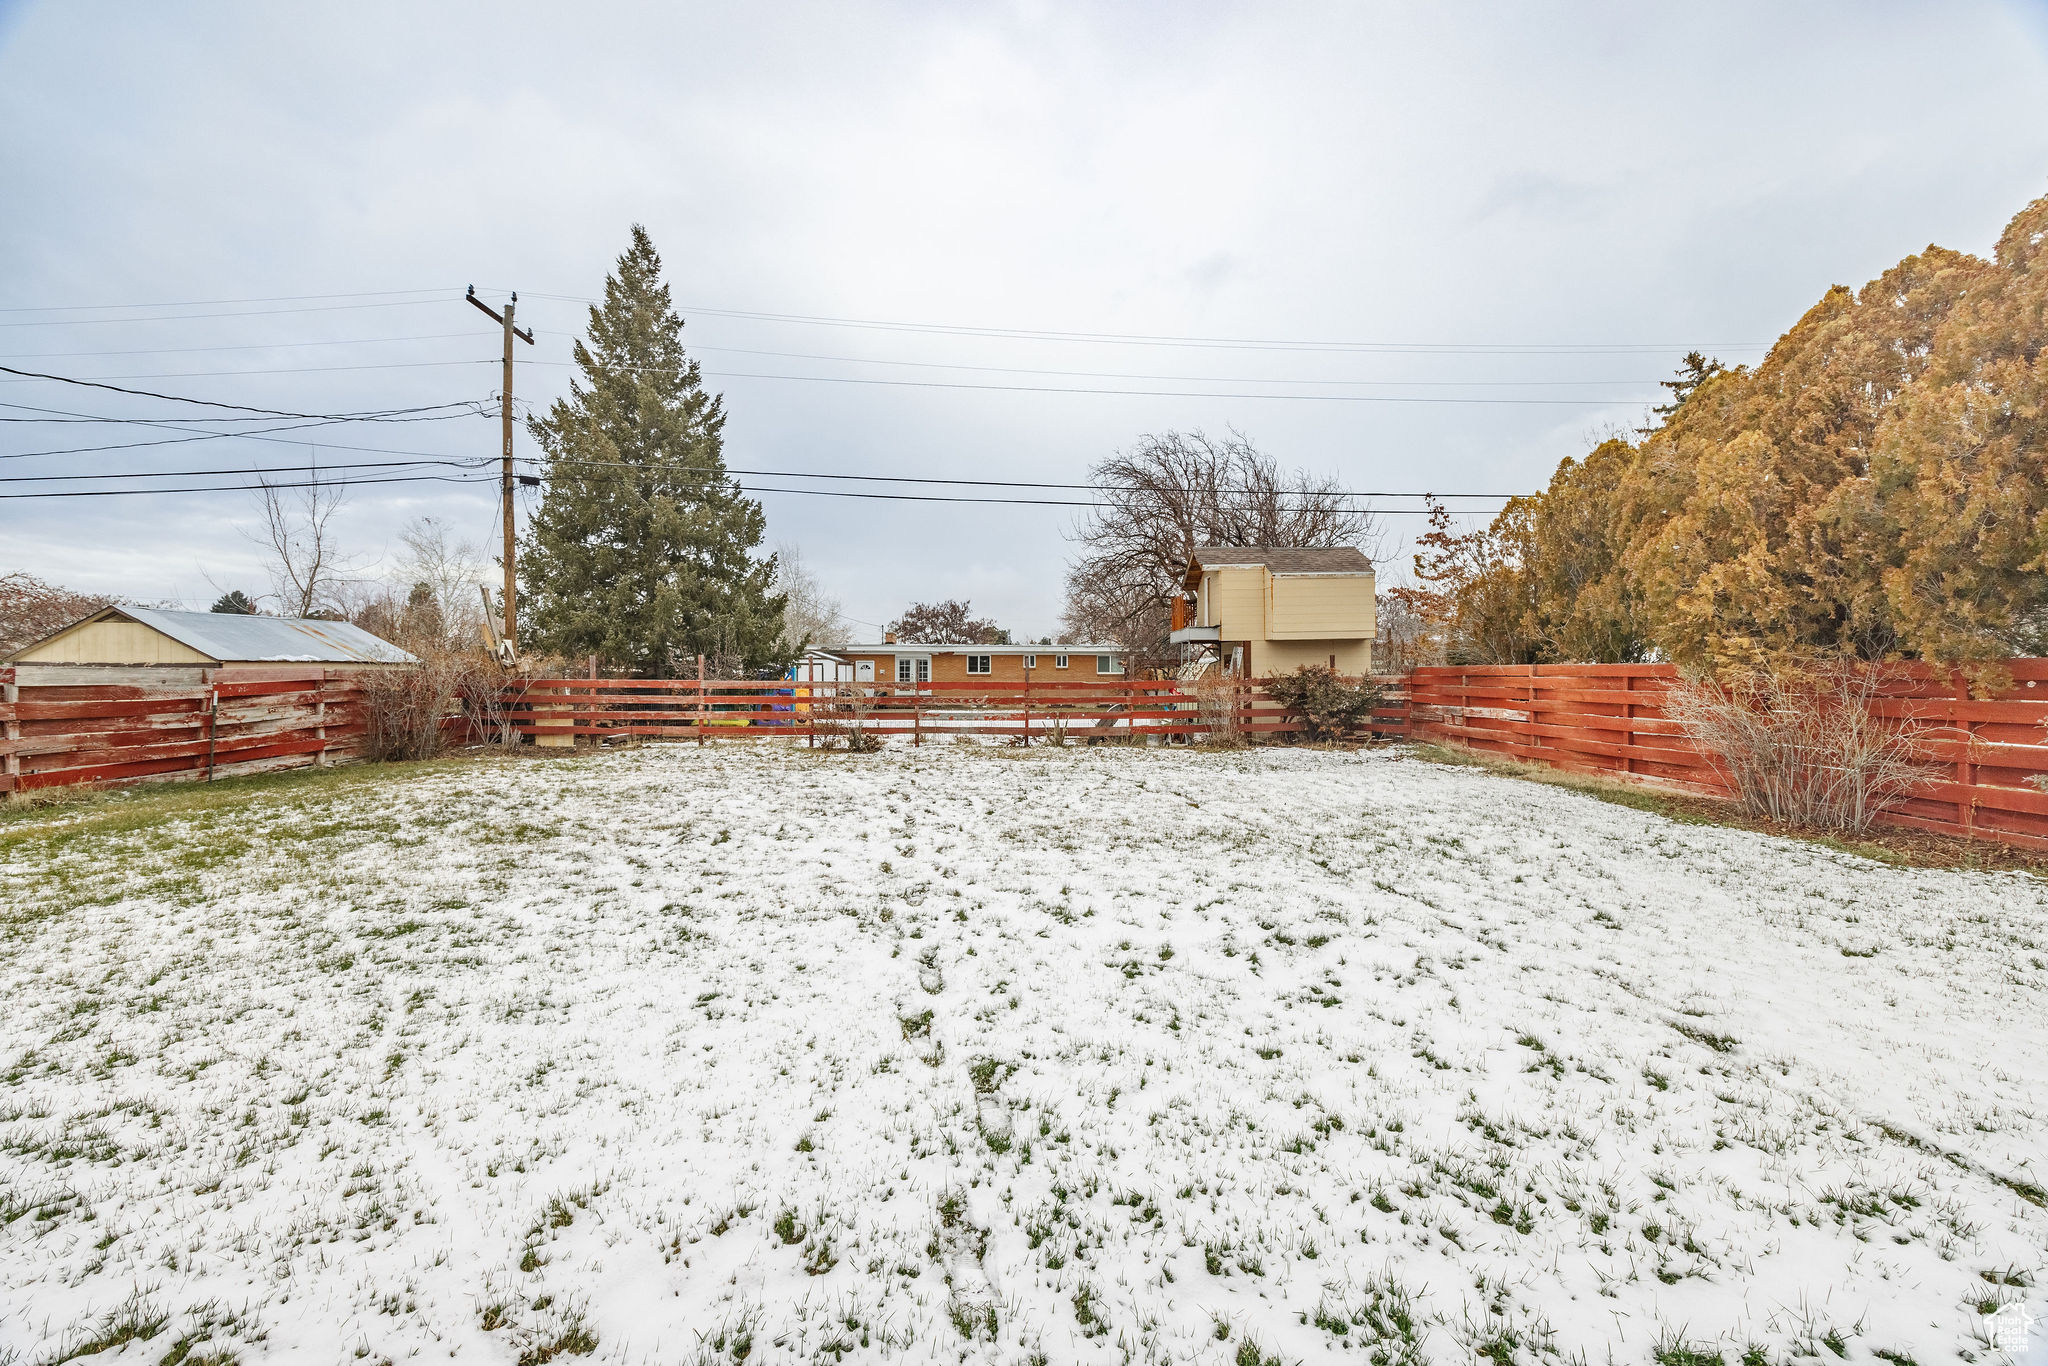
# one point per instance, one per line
(1329, 706)
(405, 709)
(840, 718)
(1216, 706)
(1800, 745)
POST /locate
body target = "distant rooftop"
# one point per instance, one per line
(916, 646)
(1343, 559)
(233, 639)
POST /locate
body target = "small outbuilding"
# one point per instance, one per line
(1251, 610)
(161, 642)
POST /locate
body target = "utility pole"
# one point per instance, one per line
(511, 635)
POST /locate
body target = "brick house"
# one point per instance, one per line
(913, 662)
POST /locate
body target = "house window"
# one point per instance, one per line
(978, 664)
(1059, 661)
(1031, 661)
(913, 668)
(1107, 664)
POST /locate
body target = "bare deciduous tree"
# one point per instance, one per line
(951, 622)
(308, 572)
(812, 616)
(31, 609)
(1171, 493)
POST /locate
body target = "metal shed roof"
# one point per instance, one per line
(234, 639)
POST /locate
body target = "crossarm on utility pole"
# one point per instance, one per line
(511, 633)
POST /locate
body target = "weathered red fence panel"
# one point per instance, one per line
(559, 710)
(1607, 719)
(237, 722)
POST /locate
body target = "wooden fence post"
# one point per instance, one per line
(212, 722)
(1966, 768)
(10, 693)
(1529, 732)
(320, 720)
(1027, 709)
(1628, 715)
(700, 699)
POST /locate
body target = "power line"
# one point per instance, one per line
(979, 483)
(1162, 339)
(256, 435)
(1145, 393)
(64, 416)
(383, 299)
(245, 488)
(477, 462)
(945, 384)
(240, 313)
(453, 462)
(244, 346)
(292, 369)
(1178, 379)
(482, 478)
(207, 303)
(365, 415)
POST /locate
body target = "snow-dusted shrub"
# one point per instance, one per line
(406, 711)
(1802, 745)
(840, 717)
(1216, 704)
(1328, 705)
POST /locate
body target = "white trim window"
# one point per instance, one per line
(1059, 661)
(913, 668)
(1031, 661)
(979, 664)
(1108, 664)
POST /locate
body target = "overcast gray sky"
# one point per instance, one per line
(1511, 202)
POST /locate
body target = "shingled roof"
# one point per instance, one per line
(1343, 559)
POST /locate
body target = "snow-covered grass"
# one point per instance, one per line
(1076, 1055)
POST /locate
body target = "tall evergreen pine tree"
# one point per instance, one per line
(641, 550)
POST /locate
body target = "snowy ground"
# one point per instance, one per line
(1105, 1055)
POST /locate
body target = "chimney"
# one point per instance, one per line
(888, 637)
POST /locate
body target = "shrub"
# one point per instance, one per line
(840, 717)
(405, 710)
(1801, 745)
(1328, 705)
(1217, 701)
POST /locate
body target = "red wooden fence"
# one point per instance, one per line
(561, 710)
(1606, 718)
(235, 721)
(1597, 718)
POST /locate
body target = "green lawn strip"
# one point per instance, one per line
(64, 816)
(1906, 851)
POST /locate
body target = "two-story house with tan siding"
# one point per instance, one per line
(1260, 610)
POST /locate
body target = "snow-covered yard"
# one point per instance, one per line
(748, 1052)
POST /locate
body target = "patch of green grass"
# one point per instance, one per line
(136, 1320)
(1720, 1043)
(1678, 1352)
(1683, 810)
(575, 1339)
